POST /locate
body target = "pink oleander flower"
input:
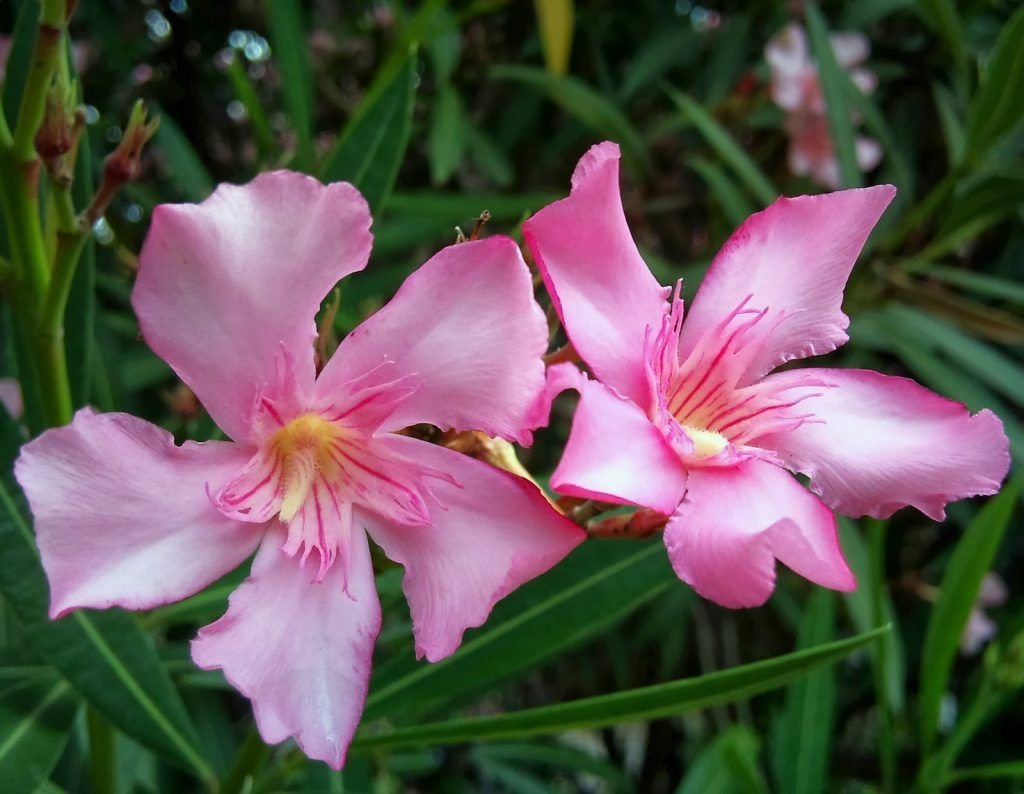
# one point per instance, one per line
(980, 627)
(687, 418)
(226, 294)
(796, 88)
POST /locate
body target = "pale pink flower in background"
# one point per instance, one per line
(684, 417)
(796, 88)
(10, 397)
(980, 627)
(5, 51)
(227, 293)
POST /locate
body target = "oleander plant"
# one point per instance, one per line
(486, 395)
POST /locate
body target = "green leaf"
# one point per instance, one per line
(634, 705)
(996, 108)
(80, 315)
(104, 655)
(804, 731)
(34, 727)
(677, 48)
(462, 206)
(970, 561)
(981, 284)
(584, 103)
(447, 139)
(183, 164)
(859, 608)
(371, 147)
(741, 164)
(555, 756)
(727, 766)
(555, 22)
(288, 43)
(599, 584)
(1013, 769)
(734, 204)
(19, 58)
(728, 60)
(833, 87)
(993, 368)
(942, 17)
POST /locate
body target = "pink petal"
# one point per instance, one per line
(467, 326)
(735, 522)
(228, 289)
(493, 534)
(792, 260)
(10, 396)
(122, 515)
(615, 453)
(604, 293)
(850, 49)
(882, 442)
(301, 651)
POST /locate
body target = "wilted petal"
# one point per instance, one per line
(792, 261)
(883, 442)
(603, 290)
(615, 453)
(735, 522)
(467, 327)
(122, 515)
(300, 650)
(228, 289)
(487, 538)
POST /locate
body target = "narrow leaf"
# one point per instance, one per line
(833, 83)
(968, 565)
(804, 731)
(598, 585)
(288, 42)
(646, 703)
(183, 163)
(372, 145)
(104, 655)
(584, 103)
(34, 727)
(741, 164)
(447, 135)
(996, 108)
(726, 766)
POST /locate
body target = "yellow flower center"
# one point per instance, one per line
(304, 450)
(706, 443)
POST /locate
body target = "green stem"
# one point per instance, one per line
(886, 749)
(45, 56)
(102, 753)
(937, 768)
(250, 755)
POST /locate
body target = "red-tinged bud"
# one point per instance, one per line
(61, 127)
(124, 163)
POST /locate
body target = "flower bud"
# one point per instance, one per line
(124, 163)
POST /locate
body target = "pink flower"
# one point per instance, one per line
(685, 418)
(796, 88)
(10, 397)
(980, 627)
(226, 294)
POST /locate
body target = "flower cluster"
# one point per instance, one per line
(796, 88)
(686, 418)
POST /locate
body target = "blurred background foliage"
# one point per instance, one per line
(438, 111)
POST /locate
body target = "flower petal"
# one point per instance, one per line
(301, 651)
(882, 442)
(122, 515)
(603, 290)
(229, 286)
(791, 261)
(615, 453)
(492, 534)
(467, 324)
(734, 522)
(10, 397)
